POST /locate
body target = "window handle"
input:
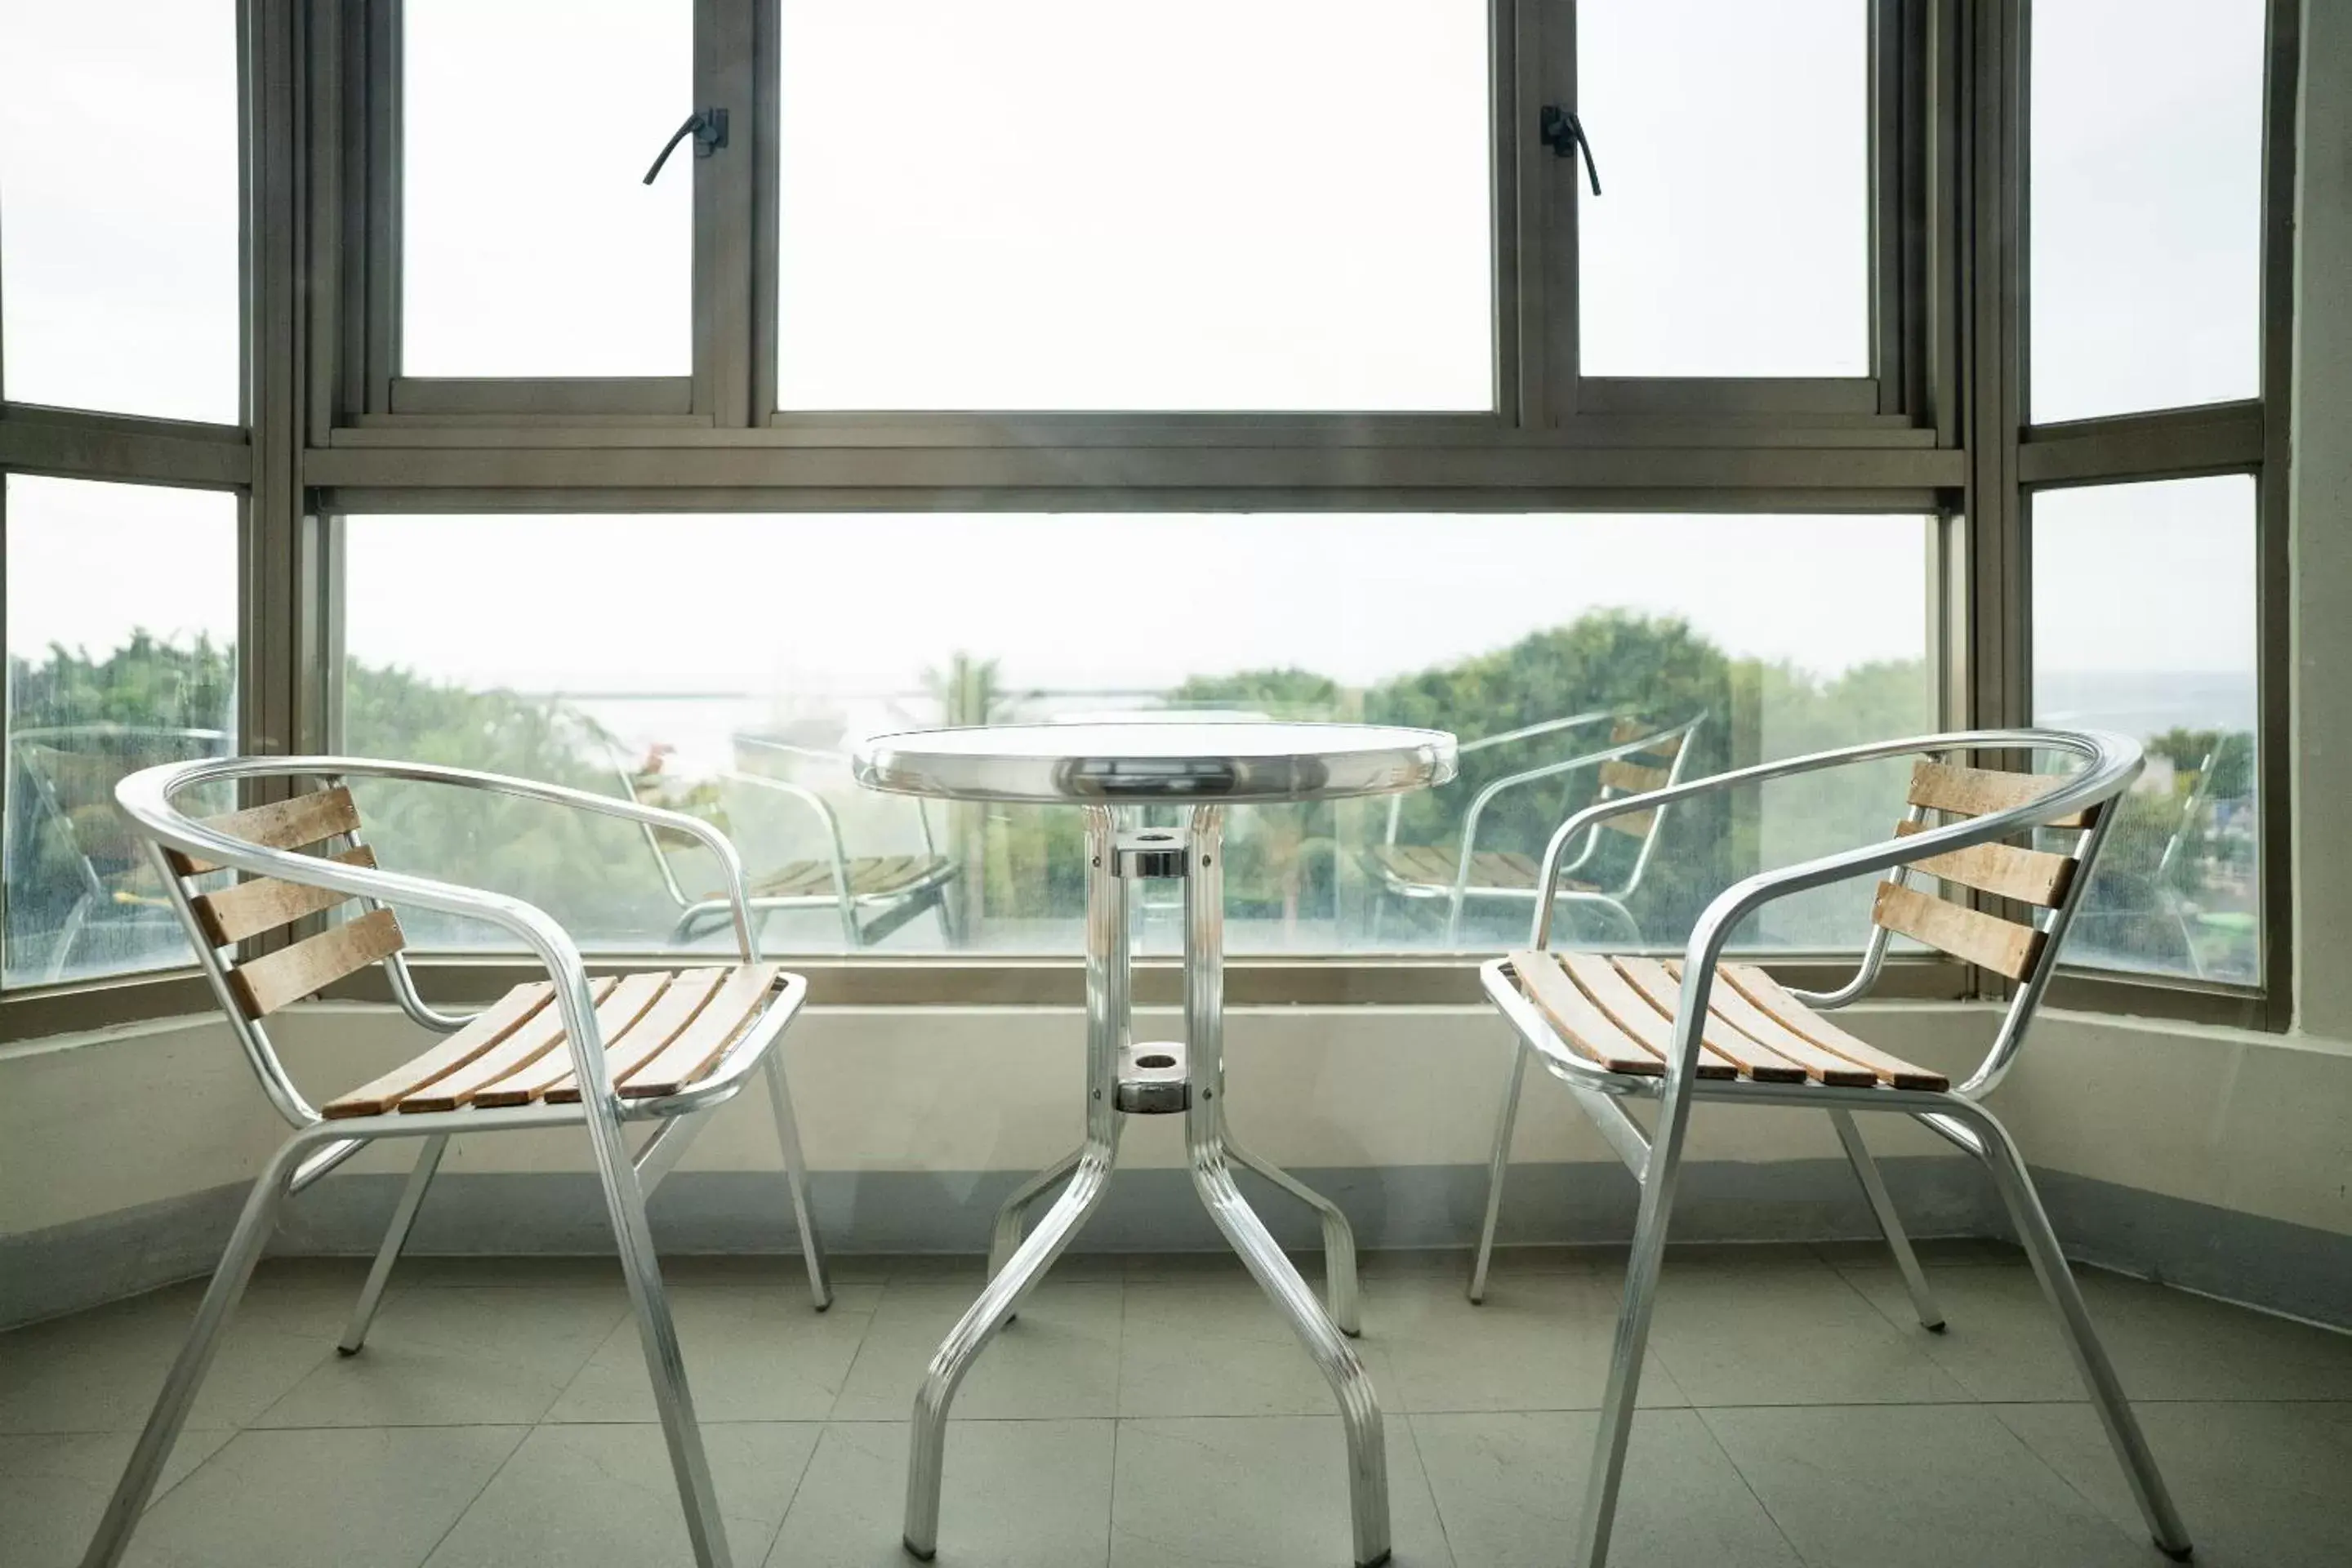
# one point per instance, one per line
(709, 128)
(1563, 132)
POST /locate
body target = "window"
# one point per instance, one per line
(530, 246)
(1246, 205)
(748, 666)
(118, 201)
(1732, 237)
(2164, 651)
(2146, 205)
(121, 654)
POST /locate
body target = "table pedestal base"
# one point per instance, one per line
(1017, 1264)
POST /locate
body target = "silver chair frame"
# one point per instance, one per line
(317, 1146)
(865, 918)
(1610, 902)
(2110, 762)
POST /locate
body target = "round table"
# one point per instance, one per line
(1111, 769)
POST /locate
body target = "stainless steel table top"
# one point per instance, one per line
(1232, 761)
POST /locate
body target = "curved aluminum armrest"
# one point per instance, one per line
(806, 796)
(1526, 731)
(1552, 770)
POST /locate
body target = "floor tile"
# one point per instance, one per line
(1946, 1251)
(368, 1498)
(750, 1355)
(1208, 1347)
(508, 1273)
(1510, 1489)
(100, 1371)
(1015, 1494)
(2000, 1339)
(971, 1268)
(1237, 1492)
(1915, 1486)
(2259, 1485)
(778, 1270)
(581, 1495)
(1539, 1342)
(1453, 1262)
(53, 1489)
(2170, 1344)
(459, 1356)
(1793, 1333)
(1059, 1358)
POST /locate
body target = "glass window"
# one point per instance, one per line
(1733, 234)
(2146, 205)
(121, 654)
(2165, 652)
(118, 201)
(1064, 204)
(735, 685)
(530, 246)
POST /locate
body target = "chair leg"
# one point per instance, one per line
(1890, 1224)
(2032, 1222)
(788, 1134)
(1498, 1165)
(404, 1219)
(187, 1374)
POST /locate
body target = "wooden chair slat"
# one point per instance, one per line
(294, 823)
(1729, 1003)
(1584, 1026)
(540, 1033)
(2029, 875)
(689, 991)
(794, 880)
(1755, 1057)
(1633, 778)
(1632, 824)
(1966, 933)
(484, 1029)
(265, 903)
(701, 1044)
(1633, 1013)
(1974, 792)
(1501, 869)
(269, 983)
(1766, 994)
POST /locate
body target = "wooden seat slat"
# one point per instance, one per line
(688, 992)
(294, 823)
(704, 1041)
(1766, 994)
(266, 984)
(1585, 1027)
(1632, 777)
(1974, 936)
(265, 903)
(1823, 1067)
(540, 1033)
(482, 1031)
(1755, 1057)
(1975, 791)
(2004, 871)
(1632, 824)
(1633, 1013)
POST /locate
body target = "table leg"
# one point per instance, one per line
(1106, 1011)
(1213, 1177)
(1339, 1236)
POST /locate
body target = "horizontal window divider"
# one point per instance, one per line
(74, 445)
(2153, 996)
(2175, 443)
(1784, 396)
(507, 429)
(573, 394)
(1224, 468)
(28, 1016)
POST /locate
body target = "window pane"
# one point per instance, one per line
(2165, 652)
(1809, 633)
(118, 208)
(2146, 204)
(1064, 204)
(1733, 234)
(530, 244)
(121, 654)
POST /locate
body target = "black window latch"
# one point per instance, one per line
(709, 128)
(1564, 134)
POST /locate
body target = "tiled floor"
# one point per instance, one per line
(1151, 1412)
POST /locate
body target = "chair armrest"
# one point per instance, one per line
(1478, 803)
(808, 797)
(1527, 731)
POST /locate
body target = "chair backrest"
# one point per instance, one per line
(73, 770)
(324, 823)
(2042, 878)
(1651, 767)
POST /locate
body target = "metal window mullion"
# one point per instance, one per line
(726, 76)
(382, 256)
(1557, 194)
(765, 155)
(2275, 580)
(1510, 25)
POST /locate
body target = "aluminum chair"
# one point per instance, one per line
(1616, 1028)
(875, 894)
(566, 1051)
(1637, 757)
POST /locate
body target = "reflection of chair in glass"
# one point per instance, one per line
(1617, 1027)
(2186, 830)
(1637, 757)
(562, 1052)
(875, 894)
(70, 772)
